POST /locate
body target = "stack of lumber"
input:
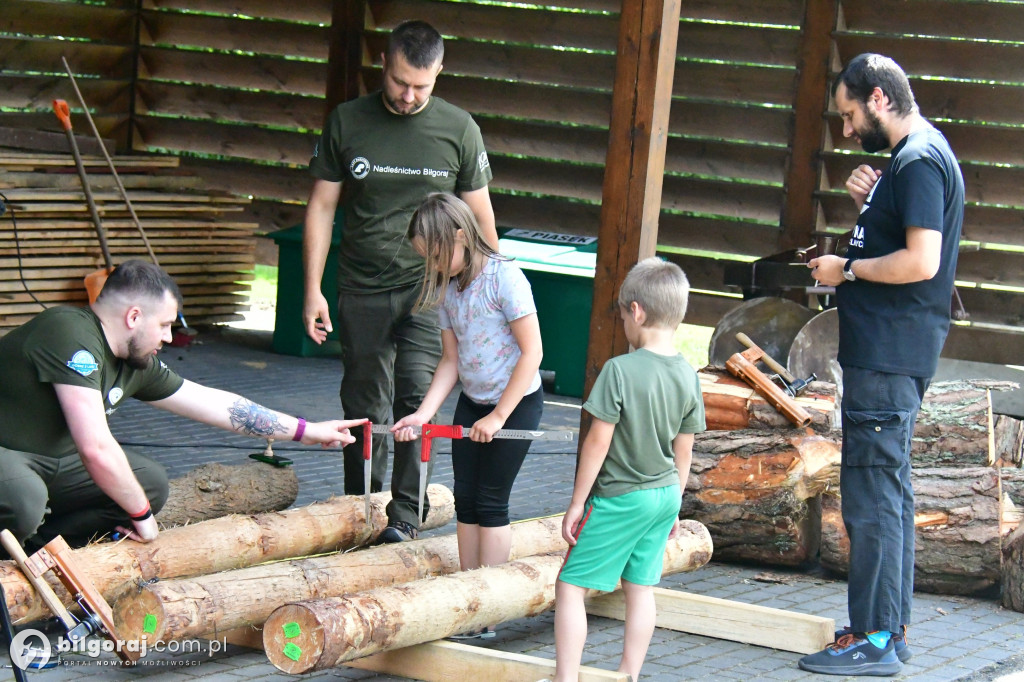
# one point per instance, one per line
(191, 231)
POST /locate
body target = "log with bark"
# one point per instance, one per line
(207, 605)
(731, 403)
(1009, 440)
(213, 490)
(1012, 571)
(756, 491)
(222, 544)
(324, 633)
(954, 426)
(957, 519)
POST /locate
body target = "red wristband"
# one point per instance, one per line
(300, 429)
(143, 515)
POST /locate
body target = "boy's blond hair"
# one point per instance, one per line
(660, 288)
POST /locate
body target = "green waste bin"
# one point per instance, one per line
(289, 333)
(560, 269)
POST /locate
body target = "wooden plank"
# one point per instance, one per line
(698, 156)
(987, 61)
(97, 180)
(442, 661)
(219, 104)
(107, 124)
(708, 310)
(988, 20)
(799, 216)
(38, 92)
(991, 266)
(14, 159)
(43, 55)
(38, 140)
(235, 141)
(997, 346)
(634, 171)
(69, 20)
(994, 306)
(247, 35)
(307, 11)
(971, 142)
(982, 223)
(984, 182)
(966, 101)
(259, 181)
(263, 72)
(141, 197)
(729, 620)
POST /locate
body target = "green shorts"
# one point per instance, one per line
(622, 537)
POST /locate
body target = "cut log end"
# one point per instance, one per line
(294, 638)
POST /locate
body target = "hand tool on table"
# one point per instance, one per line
(790, 384)
(94, 281)
(428, 432)
(56, 556)
(742, 365)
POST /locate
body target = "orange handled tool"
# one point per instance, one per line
(367, 465)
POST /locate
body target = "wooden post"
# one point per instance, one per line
(345, 52)
(635, 164)
(325, 633)
(800, 209)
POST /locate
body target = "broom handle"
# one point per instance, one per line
(110, 162)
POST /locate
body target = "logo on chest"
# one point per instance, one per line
(359, 168)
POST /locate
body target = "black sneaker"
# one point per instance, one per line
(903, 651)
(852, 654)
(398, 531)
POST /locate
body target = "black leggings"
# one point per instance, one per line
(484, 472)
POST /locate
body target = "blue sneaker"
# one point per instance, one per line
(903, 651)
(852, 654)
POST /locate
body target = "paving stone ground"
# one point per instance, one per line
(954, 638)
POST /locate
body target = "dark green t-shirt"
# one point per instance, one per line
(64, 345)
(651, 399)
(388, 163)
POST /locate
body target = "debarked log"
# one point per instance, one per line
(222, 544)
(213, 490)
(207, 605)
(957, 517)
(324, 633)
(731, 403)
(756, 491)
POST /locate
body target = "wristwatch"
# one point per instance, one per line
(848, 271)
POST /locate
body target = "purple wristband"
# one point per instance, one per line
(300, 429)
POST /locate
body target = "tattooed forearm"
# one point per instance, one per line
(254, 420)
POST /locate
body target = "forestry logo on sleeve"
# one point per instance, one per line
(83, 362)
(483, 161)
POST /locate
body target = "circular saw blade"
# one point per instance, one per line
(772, 323)
(816, 348)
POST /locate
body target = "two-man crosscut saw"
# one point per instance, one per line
(427, 433)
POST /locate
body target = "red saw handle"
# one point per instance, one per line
(367, 440)
(60, 107)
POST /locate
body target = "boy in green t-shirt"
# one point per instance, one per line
(633, 467)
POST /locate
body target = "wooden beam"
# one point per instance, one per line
(345, 52)
(726, 619)
(800, 210)
(635, 164)
(442, 661)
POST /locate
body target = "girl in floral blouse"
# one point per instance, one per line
(491, 343)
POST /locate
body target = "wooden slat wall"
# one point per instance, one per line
(965, 61)
(244, 81)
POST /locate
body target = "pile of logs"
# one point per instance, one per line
(190, 230)
(769, 493)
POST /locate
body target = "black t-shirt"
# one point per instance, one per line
(900, 328)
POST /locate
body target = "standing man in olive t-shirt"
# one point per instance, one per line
(64, 372)
(388, 150)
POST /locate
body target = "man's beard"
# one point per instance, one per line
(135, 359)
(874, 138)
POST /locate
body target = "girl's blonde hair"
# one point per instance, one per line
(437, 222)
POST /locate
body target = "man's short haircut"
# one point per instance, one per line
(660, 288)
(868, 71)
(139, 279)
(419, 42)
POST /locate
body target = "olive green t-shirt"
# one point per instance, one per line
(388, 163)
(65, 345)
(651, 399)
